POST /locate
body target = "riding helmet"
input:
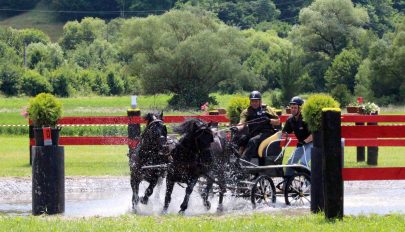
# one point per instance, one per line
(296, 101)
(255, 95)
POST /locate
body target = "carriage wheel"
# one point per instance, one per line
(263, 191)
(297, 190)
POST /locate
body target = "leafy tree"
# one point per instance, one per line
(115, 83)
(387, 57)
(74, 9)
(44, 56)
(184, 52)
(97, 55)
(343, 70)
(87, 31)
(380, 13)
(10, 79)
(290, 9)
(276, 60)
(327, 27)
(18, 39)
(34, 83)
(242, 14)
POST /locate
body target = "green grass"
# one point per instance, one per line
(112, 160)
(79, 160)
(39, 18)
(254, 222)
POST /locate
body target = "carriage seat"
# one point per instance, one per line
(270, 148)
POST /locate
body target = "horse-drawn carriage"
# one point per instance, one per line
(262, 183)
(210, 158)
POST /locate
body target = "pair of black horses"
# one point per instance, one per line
(199, 152)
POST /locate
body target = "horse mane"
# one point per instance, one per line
(188, 126)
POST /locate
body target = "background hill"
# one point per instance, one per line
(41, 17)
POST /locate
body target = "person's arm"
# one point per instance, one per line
(274, 119)
(308, 139)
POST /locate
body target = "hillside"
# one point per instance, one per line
(41, 17)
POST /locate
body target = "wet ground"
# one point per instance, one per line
(111, 196)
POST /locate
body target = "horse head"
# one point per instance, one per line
(155, 133)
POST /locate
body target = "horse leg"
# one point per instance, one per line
(135, 189)
(168, 197)
(222, 190)
(149, 191)
(205, 194)
(189, 190)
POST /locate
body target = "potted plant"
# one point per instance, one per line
(370, 108)
(44, 110)
(312, 109)
(353, 108)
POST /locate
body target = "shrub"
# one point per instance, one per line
(44, 110)
(34, 83)
(312, 109)
(10, 79)
(236, 106)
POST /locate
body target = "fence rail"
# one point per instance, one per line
(354, 135)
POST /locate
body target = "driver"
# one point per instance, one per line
(260, 120)
(296, 124)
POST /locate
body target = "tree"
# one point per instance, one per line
(87, 31)
(187, 53)
(343, 70)
(387, 57)
(326, 28)
(290, 9)
(44, 56)
(380, 13)
(275, 60)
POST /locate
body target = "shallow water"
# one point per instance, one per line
(111, 196)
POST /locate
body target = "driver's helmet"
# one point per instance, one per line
(296, 101)
(255, 95)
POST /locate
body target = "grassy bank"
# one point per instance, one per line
(112, 160)
(255, 222)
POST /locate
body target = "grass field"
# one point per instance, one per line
(255, 222)
(112, 160)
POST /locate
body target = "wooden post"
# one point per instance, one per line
(30, 137)
(361, 151)
(372, 152)
(332, 163)
(134, 130)
(48, 179)
(214, 112)
(317, 198)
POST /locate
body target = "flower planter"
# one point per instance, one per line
(353, 109)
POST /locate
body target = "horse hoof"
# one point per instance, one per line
(164, 211)
(220, 209)
(207, 205)
(181, 212)
(144, 200)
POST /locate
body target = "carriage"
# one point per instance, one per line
(227, 173)
(262, 183)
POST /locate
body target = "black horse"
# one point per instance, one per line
(219, 169)
(150, 151)
(191, 158)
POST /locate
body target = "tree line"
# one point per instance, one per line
(338, 46)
